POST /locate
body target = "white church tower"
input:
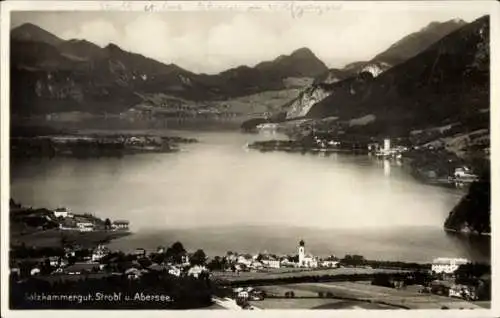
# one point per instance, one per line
(302, 252)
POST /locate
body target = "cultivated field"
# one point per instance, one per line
(369, 294)
(296, 272)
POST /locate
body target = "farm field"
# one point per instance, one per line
(369, 295)
(293, 272)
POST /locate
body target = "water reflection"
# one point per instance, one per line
(387, 168)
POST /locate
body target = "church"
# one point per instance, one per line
(306, 260)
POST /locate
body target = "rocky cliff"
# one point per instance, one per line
(300, 106)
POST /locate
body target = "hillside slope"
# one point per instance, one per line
(473, 213)
(448, 82)
(51, 75)
(402, 50)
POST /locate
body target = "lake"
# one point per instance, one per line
(220, 196)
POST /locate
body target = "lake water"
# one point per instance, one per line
(219, 196)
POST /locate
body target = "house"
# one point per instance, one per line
(140, 252)
(61, 212)
(464, 173)
(463, 291)
(185, 260)
(81, 268)
(447, 265)
(120, 225)
(329, 264)
(243, 294)
(35, 271)
(99, 253)
(85, 226)
(270, 261)
(69, 252)
(196, 270)
(175, 271)
(245, 260)
(256, 265)
(54, 261)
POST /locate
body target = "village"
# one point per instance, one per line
(240, 278)
(425, 162)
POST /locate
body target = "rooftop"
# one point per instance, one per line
(121, 222)
(446, 261)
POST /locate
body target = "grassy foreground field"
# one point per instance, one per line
(358, 295)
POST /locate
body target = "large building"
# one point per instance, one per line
(61, 212)
(447, 265)
(306, 260)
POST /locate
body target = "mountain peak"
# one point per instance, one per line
(32, 32)
(303, 52)
(113, 47)
(458, 21)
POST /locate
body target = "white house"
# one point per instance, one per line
(306, 260)
(175, 271)
(245, 260)
(120, 225)
(243, 294)
(54, 261)
(35, 271)
(85, 226)
(270, 261)
(256, 265)
(329, 263)
(99, 253)
(196, 270)
(61, 212)
(185, 260)
(447, 265)
(464, 174)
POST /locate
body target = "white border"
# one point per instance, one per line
(294, 8)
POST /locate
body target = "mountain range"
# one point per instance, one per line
(49, 74)
(445, 83)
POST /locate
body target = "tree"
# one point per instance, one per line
(175, 252)
(217, 263)
(470, 272)
(107, 224)
(178, 248)
(198, 258)
(144, 262)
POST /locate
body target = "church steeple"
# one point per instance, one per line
(301, 252)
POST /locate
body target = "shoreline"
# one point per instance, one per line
(465, 233)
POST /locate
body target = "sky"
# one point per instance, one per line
(213, 41)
